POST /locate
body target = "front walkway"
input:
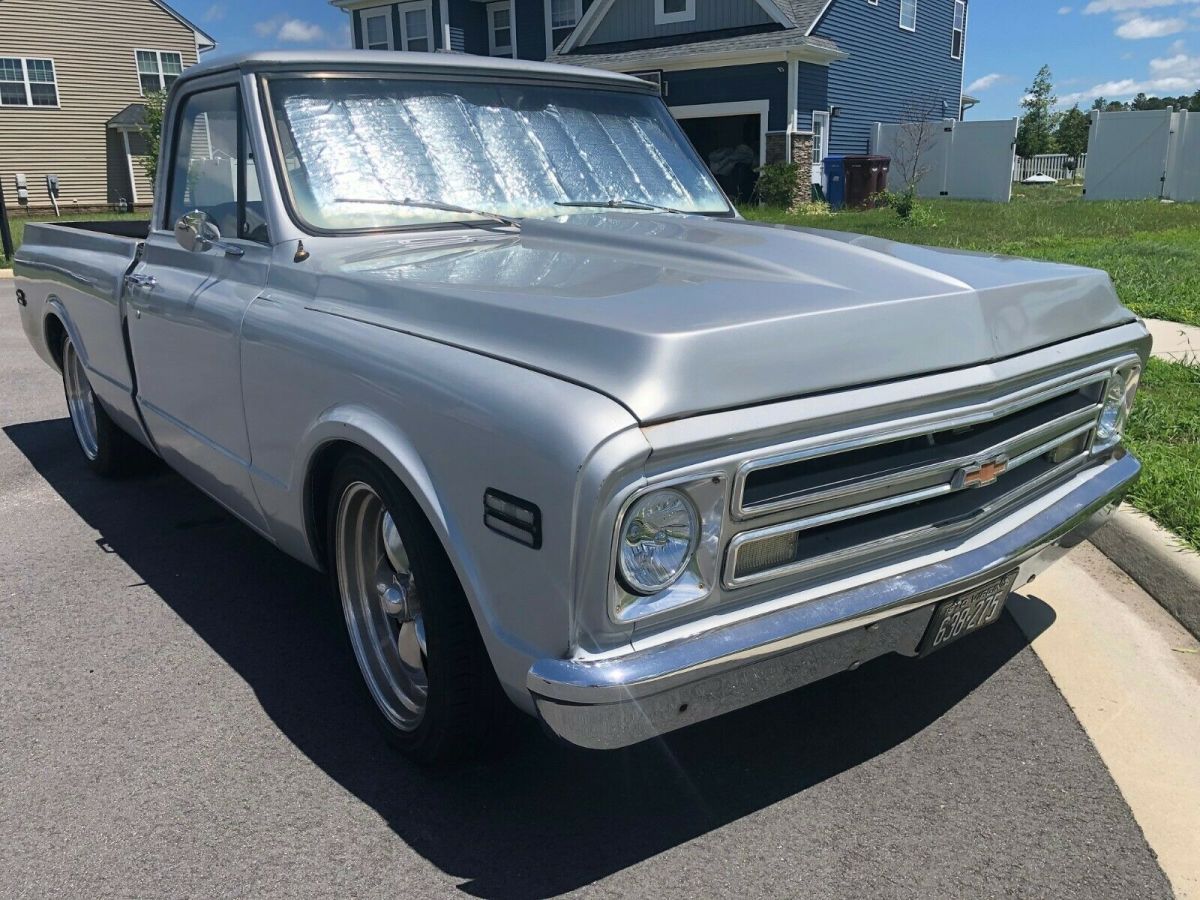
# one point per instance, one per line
(1175, 342)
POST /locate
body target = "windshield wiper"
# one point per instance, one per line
(618, 203)
(438, 205)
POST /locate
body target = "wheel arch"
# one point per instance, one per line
(57, 325)
(355, 428)
(54, 332)
(351, 429)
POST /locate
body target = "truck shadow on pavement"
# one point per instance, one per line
(538, 819)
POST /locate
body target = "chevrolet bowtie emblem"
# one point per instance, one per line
(981, 474)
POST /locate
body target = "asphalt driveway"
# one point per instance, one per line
(180, 715)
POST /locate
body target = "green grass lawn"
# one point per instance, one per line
(1151, 249)
(1152, 252)
(18, 223)
(1164, 433)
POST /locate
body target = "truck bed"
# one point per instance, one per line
(75, 273)
(138, 229)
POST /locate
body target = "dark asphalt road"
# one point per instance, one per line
(179, 715)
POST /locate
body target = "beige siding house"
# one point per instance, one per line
(72, 78)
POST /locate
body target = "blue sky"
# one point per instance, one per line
(1113, 48)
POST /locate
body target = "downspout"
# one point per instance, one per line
(444, 8)
(793, 98)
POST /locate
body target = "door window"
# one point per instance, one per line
(820, 132)
(211, 159)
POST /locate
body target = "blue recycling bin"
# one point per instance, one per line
(835, 181)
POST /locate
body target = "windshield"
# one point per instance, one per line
(511, 149)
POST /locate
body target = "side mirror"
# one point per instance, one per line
(196, 233)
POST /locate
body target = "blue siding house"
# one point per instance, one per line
(751, 81)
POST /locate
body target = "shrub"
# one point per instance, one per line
(778, 184)
(151, 129)
(907, 208)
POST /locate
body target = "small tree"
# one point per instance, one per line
(919, 124)
(1035, 135)
(1071, 136)
(151, 129)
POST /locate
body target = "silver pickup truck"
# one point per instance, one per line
(485, 341)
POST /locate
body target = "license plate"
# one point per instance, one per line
(959, 616)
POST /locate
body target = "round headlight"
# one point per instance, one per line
(1118, 400)
(657, 540)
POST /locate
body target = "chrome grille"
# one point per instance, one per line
(889, 487)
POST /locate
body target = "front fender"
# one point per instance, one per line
(450, 424)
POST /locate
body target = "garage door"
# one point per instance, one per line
(731, 139)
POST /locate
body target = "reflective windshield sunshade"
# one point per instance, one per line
(513, 149)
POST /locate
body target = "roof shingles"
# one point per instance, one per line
(791, 37)
(804, 13)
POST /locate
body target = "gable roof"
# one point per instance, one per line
(796, 17)
(804, 13)
(204, 40)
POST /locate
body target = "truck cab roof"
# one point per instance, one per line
(396, 62)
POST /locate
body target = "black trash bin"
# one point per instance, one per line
(866, 176)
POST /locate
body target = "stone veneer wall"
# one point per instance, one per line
(802, 146)
(802, 156)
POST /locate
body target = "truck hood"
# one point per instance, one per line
(676, 315)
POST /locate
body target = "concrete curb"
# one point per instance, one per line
(1156, 559)
(6, 273)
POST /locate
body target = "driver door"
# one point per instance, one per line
(186, 306)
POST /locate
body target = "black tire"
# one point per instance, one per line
(107, 450)
(464, 702)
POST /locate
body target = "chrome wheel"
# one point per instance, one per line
(81, 402)
(382, 605)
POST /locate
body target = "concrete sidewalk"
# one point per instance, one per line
(1175, 342)
(1131, 673)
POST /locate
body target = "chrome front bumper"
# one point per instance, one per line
(620, 700)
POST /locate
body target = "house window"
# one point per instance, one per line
(908, 15)
(377, 28)
(668, 11)
(27, 82)
(960, 27)
(564, 16)
(416, 23)
(500, 29)
(158, 69)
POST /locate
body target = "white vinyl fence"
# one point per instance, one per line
(1051, 164)
(961, 160)
(1143, 154)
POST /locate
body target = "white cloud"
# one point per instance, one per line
(987, 81)
(287, 30)
(1180, 66)
(1142, 27)
(1169, 76)
(1064, 10)
(215, 12)
(1116, 6)
(297, 31)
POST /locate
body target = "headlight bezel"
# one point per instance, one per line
(1116, 402)
(700, 574)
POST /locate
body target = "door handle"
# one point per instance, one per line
(140, 281)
